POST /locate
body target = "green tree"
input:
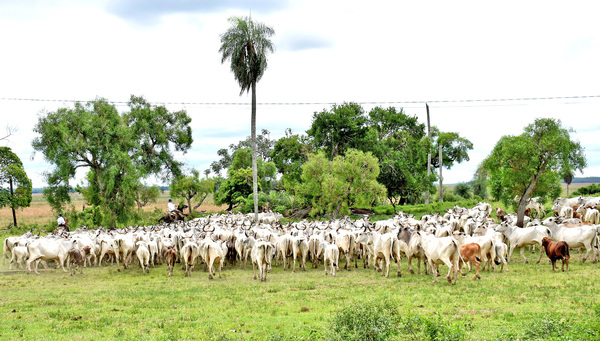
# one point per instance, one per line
(289, 154)
(233, 190)
(531, 164)
(146, 194)
(454, 148)
(242, 158)
(479, 183)
(15, 186)
(264, 147)
(463, 189)
(246, 44)
(336, 186)
(116, 149)
(338, 129)
(191, 187)
(401, 147)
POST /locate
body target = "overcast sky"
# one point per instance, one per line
(394, 53)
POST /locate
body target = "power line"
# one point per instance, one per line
(459, 101)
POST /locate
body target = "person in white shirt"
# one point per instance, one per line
(61, 221)
(171, 206)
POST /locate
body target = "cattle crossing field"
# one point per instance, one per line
(529, 301)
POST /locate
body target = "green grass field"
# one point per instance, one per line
(527, 302)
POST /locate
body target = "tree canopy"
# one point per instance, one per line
(15, 186)
(335, 186)
(532, 164)
(116, 150)
(191, 187)
(338, 129)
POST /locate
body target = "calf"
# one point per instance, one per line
(471, 253)
(170, 255)
(19, 255)
(556, 251)
(78, 257)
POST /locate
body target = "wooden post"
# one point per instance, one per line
(441, 178)
(428, 154)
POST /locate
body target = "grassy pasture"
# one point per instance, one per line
(128, 305)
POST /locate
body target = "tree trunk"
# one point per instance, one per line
(201, 201)
(189, 200)
(13, 209)
(441, 178)
(523, 201)
(253, 138)
(428, 157)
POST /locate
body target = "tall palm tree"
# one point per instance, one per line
(246, 43)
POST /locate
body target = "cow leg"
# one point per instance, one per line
(451, 269)
(477, 265)
(541, 252)
(435, 275)
(523, 254)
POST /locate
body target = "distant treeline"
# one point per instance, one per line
(40, 189)
(587, 180)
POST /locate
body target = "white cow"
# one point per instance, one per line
(576, 237)
(519, 237)
(123, 245)
(261, 255)
(345, 242)
(188, 254)
(214, 253)
(143, 254)
(299, 249)
(382, 251)
(563, 211)
(49, 249)
(331, 257)
(443, 250)
(589, 215)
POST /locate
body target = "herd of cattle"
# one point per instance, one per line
(462, 236)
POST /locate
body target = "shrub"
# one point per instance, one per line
(436, 328)
(593, 189)
(365, 321)
(462, 189)
(384, 210)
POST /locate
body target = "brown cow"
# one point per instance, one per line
(78, 257)
(170, 255)
(500, 214)
(555, 251)
(471, 253)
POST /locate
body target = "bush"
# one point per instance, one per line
(384, 210)
(462, 189)
(437, 328)
(591, 190)
(365, 321)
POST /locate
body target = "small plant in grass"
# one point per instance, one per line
(365, 321)
(436, 328)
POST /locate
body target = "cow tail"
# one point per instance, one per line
(460, 258)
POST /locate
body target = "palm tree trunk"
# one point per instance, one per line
(253, 137)
(14, 214)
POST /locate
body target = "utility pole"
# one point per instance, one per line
(441, 178)
(428, 154)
